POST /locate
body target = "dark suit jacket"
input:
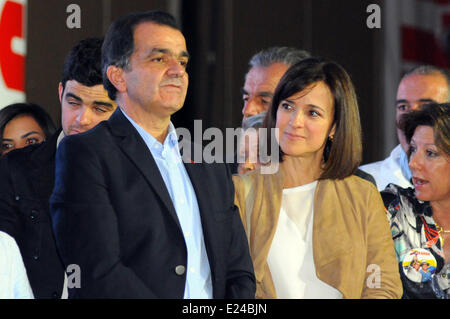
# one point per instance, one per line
(26, 183)
(113, 217)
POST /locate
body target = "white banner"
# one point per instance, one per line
(425, 32)
(416, 32)
(12, 51)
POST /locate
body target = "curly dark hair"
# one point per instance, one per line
(83, 63)
(434, 115)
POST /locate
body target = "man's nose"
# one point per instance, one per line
(176, 69)
(251, 108)
(84, 117)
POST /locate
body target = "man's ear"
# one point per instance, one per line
(115, 76)
(60, 91)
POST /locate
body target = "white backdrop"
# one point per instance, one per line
(12, 51)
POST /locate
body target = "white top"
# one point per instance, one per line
(13, 276)
(394, 169)
(290, 256)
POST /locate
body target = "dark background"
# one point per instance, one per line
(221, 37)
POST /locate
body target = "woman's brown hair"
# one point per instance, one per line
(343, 154)
(434, 115)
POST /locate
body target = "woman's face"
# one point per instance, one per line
(430, 167)
(305, 120)
(21, 131)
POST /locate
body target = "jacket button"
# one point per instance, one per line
(180, 270)
(34, 214)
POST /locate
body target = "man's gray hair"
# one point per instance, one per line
(286, 55)
(429, 70)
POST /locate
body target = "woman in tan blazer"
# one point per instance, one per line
(315, 230)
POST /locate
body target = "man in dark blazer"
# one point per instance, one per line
(27, 174)
(137, 220)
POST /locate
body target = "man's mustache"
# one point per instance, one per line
(175, 81)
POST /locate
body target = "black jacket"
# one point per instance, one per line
(114, 218)
(26, 183)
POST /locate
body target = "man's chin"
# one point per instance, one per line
(172, 108)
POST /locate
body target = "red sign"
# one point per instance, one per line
(12, 65)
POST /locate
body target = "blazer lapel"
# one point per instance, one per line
(331, 239)
(266, 208)
(138, 153)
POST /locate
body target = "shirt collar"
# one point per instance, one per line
(60, 137)
(404, 164)
(171, 138)
(172, 135)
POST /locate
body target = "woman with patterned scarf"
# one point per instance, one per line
(420, 216)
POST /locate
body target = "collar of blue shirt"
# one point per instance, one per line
(152, 143)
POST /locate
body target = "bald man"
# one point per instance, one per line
(422, 85)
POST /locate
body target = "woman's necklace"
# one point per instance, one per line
(442, 231)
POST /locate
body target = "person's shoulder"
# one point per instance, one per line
(396, 197)
(97, 131)
(357, 182)
(352, 188)
(364, 175)
(374, 167)
(398, 191)
(94, 137)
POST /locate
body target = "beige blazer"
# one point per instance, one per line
(351, 236)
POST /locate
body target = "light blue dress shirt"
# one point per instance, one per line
(404, 165)
(168, 159)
